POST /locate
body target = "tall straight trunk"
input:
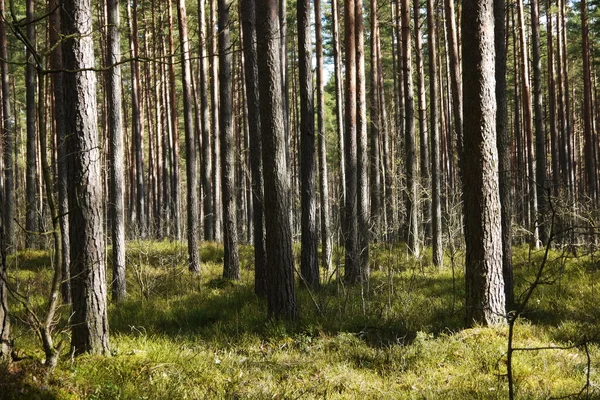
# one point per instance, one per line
(322, 145)
(362, 178)
(339, 104)
(59, 123)
(485, 302)
(207, 167)
(590, 165)
(89, 320)
(412, 201)
(350, 146)
(281, 297)
(455, 79)
(231, 262)
(136, 116)
(554, 144)
(568, 131)
(8, 213)
(216, 148)
(436, 186)
(504, 150)
(309, 264)
(540, 131)
(253, 98)
(31, 183)
(528, 126)
(190, 142)
(425, 167)
(117, 185)
(376, 122)
(173, 132)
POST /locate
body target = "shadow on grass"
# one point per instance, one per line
(23, 380)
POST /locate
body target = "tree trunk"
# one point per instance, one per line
(339, 106)
(59, 123)
(117, 186)
(425, 167)
(590, 167)
(216, 149)
(231, 266)
(412, 201)
(436, 169)
(376, 123)
(5, 336)
(207, 166)
(8, 213)
(484, 283)
(31, 184)
(190, 142)
(362, 177)
(89, 320)
(281, 297)
(528, 125)
(309, 265)
(540, 132)
(326, 250)
(350, 227)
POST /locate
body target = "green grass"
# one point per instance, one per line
(181, 336)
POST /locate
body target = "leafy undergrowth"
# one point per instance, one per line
(181, 336)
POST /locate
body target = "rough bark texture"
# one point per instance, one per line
(309, 265)
(412, 201)
(436, 168)
(59, 123)
(339, 105)
(350, 227)
(117, 162)
(231, 266)
(31, 184)
(8, 213)
(207, 166)
(376, 121)
(281, 295)
(216, 149)
(552, 104)
(89, 321)
(484, 283)
(362, 170)
(253, 99)
(326, 244)
(504, 149)
(590, 168)
(190, 142)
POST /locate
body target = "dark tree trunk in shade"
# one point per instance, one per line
(412, 201)
(190, 142)
(588, 134)
(115, 123)
(362, 152)
(309, 264)
(375, 125)
(207, 166)
(326, 241)
(5, 336)
(504, 150)
(89, 320)
(436, 168)
(339, 104)
(350, 226)
(231, 266)
(252, 79)
(8, 206)
(484, 283)
(281, 296)
(59, 123)
(31, 183)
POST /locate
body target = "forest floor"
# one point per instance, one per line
(400, 336)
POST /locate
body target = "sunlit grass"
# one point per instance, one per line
(401, 336)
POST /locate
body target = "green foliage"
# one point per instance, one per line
(401, 336)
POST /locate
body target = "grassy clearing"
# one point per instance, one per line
(179, 336)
